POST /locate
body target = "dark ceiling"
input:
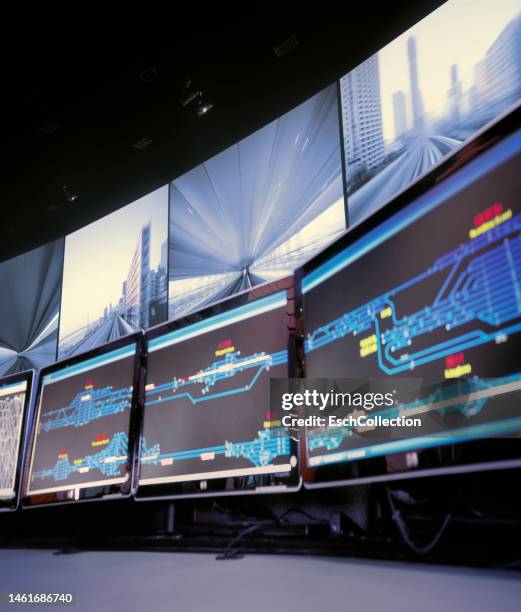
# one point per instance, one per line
(78, 94)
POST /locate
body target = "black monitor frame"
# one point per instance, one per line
(218, 486)
(452, 458)
(91, 493)
(10, 505)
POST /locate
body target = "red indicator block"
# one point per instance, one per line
(224, 347)
(453, 361)
(488, 214)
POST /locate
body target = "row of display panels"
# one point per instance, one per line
(261, 208)
(428, 289)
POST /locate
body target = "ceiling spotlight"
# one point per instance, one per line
(203, 107)
(189, 97)
(189, 94)
(69, 196)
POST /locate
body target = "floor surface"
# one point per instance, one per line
(185, 582)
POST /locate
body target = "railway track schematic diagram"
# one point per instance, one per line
(269, 444)
(198, 387)
(83, 427)
(482, 288)
(87, 406)
(107, 461)
(437, 299)
(216, 419)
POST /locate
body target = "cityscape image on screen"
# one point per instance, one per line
(12, 405)
(29, 308)
(83, 421)
(416, 100)
(257, 210)
(115, 275)
(449, 316)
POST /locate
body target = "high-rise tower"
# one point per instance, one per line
(362, 116)
(416, 97)
(400, 113)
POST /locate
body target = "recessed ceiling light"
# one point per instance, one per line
(69, 195)
(203, 107)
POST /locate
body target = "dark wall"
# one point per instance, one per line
(78, 93)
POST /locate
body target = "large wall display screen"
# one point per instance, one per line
(259, 209)
(420, 97)
(115, 275)
(30, 308)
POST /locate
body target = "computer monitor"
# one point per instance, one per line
(15, 397)
(208, 425)
(430, 289)
(85, 426)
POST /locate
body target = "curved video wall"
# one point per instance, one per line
(265, 205)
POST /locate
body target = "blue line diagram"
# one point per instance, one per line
(87, 406)
(269, 444)
(482, 287)
(108, 461)
(221, 369)
(468, 396)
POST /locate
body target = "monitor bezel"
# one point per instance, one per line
(291, 483)
(90, 493)
(11, 505)
(451, 458)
